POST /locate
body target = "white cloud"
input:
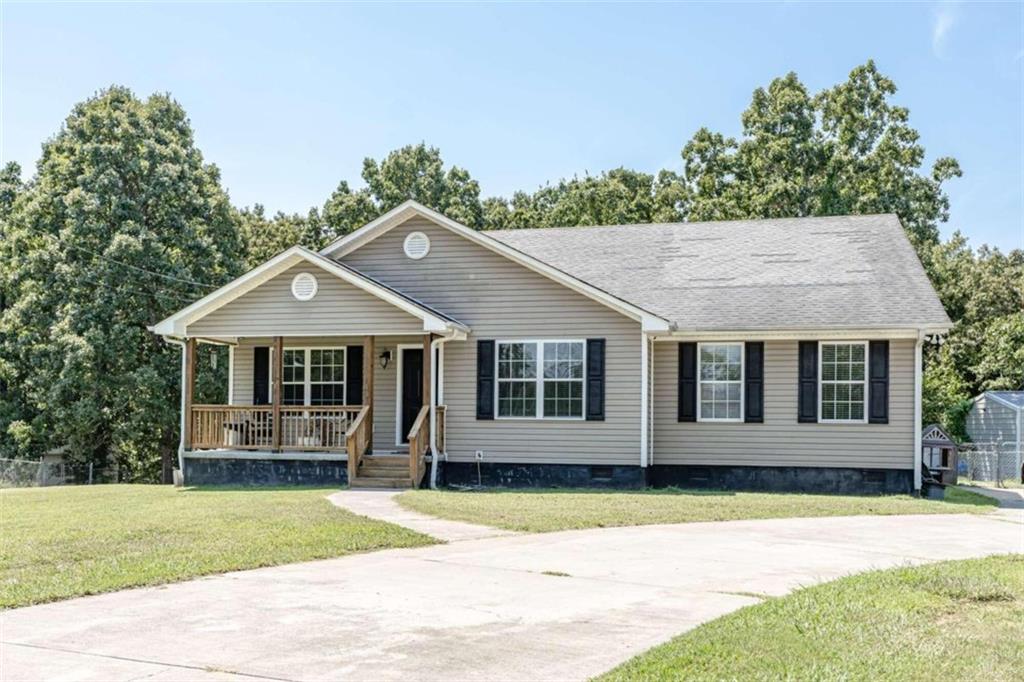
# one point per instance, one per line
(943, 21)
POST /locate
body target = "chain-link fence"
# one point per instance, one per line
(990, 462)
(21, 473)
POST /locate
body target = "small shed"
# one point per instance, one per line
(940, 454)
(995, 424)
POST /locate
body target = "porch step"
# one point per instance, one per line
(385, 460)
(380, 482)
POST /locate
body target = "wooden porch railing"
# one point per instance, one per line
(252, 427)
(245, 427)
(357, 440)
(419, 444)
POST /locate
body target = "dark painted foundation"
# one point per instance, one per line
(775, 479)
(496, 474)
(784, 479)
(264, 472)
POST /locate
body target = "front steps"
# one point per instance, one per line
(383, 471)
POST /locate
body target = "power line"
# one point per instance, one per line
(149, 272)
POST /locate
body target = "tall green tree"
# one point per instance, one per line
(412, 172)
(616, 197)
(846, 150)
(983, 293)
(122, 224)
(265, 237)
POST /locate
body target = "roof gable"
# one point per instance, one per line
(177, 324)
(410, 209)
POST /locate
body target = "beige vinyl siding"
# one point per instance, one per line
(384, 380)
(338, 308)
(781, 440)
(502, 300)
(989, 421)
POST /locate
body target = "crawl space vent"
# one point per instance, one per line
(417, 245)
(304, 286)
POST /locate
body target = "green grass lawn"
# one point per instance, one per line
(957, 620)
(64, 542)
(551, 510)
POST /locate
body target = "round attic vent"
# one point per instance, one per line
(304, 286)
(417, 245)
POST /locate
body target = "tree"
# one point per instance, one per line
(616, 197)
(265, 238)
(983, 293)
(412, 172)
(847, 150)
(123, 224)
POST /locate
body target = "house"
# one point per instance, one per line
(995, 424)
(771, 354)
(939, 454)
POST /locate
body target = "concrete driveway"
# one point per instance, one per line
(496, 608)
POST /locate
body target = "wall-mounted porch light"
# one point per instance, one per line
(385, 358)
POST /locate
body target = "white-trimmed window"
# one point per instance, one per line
(293, 379)
(540, 379)
(720, 382)
(842, 381)
(313, 376)
(326, 376)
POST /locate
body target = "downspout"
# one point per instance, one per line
(644, 397)
(181, 426)
(918, 371)
(434, 345)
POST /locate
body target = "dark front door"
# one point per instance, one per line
(412, 388)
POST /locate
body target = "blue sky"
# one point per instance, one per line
(288, 99)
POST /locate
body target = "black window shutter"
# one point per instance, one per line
(878, 382)
(485, 379)
(595, 380)
(753, 378)
(354, 375)
(261, 375)
(688, 382)
(807, 411)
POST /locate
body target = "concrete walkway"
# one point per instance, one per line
(1009, 498)
(525, 607)
(381, 505)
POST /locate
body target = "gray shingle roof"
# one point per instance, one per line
(798, 273)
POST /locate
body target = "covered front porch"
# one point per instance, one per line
(306, 406)
(314, 393)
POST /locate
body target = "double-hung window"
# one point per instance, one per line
(843, 381)
(720, 377)
(293, 379)
(327, 376)
(540, 379)
(313, 376)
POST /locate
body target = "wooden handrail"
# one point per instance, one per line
(254, 427)
(357, 440)
(419, 443)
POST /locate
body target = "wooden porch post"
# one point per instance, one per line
(278, 375)
(188, 386)
(369, 360)
(428, 385)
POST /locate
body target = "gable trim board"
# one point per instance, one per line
(177, 325)
(410, 209)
